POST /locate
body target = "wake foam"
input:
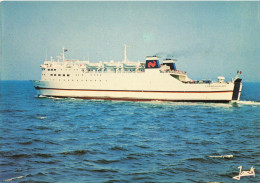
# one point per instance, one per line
(248, 102)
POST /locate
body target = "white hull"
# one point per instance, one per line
(135, 86)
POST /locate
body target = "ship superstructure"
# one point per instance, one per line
(125, 80)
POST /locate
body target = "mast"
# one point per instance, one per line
(125, 57)
(63, 55)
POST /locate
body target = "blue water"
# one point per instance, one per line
(73, 140)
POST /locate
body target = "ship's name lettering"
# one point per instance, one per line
(216, 86)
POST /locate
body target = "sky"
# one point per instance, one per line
(209, 39)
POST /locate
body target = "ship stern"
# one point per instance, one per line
(237, 90)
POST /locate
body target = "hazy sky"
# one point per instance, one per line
(209, 39)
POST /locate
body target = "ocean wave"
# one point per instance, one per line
(43, 155)
(169, 154)
(102, 170)
(47, 162)
(118, 148)
(115, 180)
(105, 161)
(11, 155)
(143, 178)
(25, 143)
(34, 175)
(142, 146)
(198, 159)
(77, 152)
(17, 156)
(187, 170)
(138, 155)
(42, 127)
(6, 111)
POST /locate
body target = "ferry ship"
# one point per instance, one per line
(136, 81)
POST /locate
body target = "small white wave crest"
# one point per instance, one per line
(20, 177)
(223, 156)
(41, 117)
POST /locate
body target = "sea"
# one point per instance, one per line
(74, 140)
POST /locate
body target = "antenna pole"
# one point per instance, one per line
(45, 55)
(125, 57)
(63, 57)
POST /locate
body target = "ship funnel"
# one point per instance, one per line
(152, 62)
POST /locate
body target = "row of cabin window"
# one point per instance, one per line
(74, 69)
(55, 69)
(78, 80)
(90, 74)
(60, 75)
(132, 70)
(69, 75)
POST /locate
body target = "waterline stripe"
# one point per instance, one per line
(151, 91)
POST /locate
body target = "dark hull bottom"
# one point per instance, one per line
(142, 100)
